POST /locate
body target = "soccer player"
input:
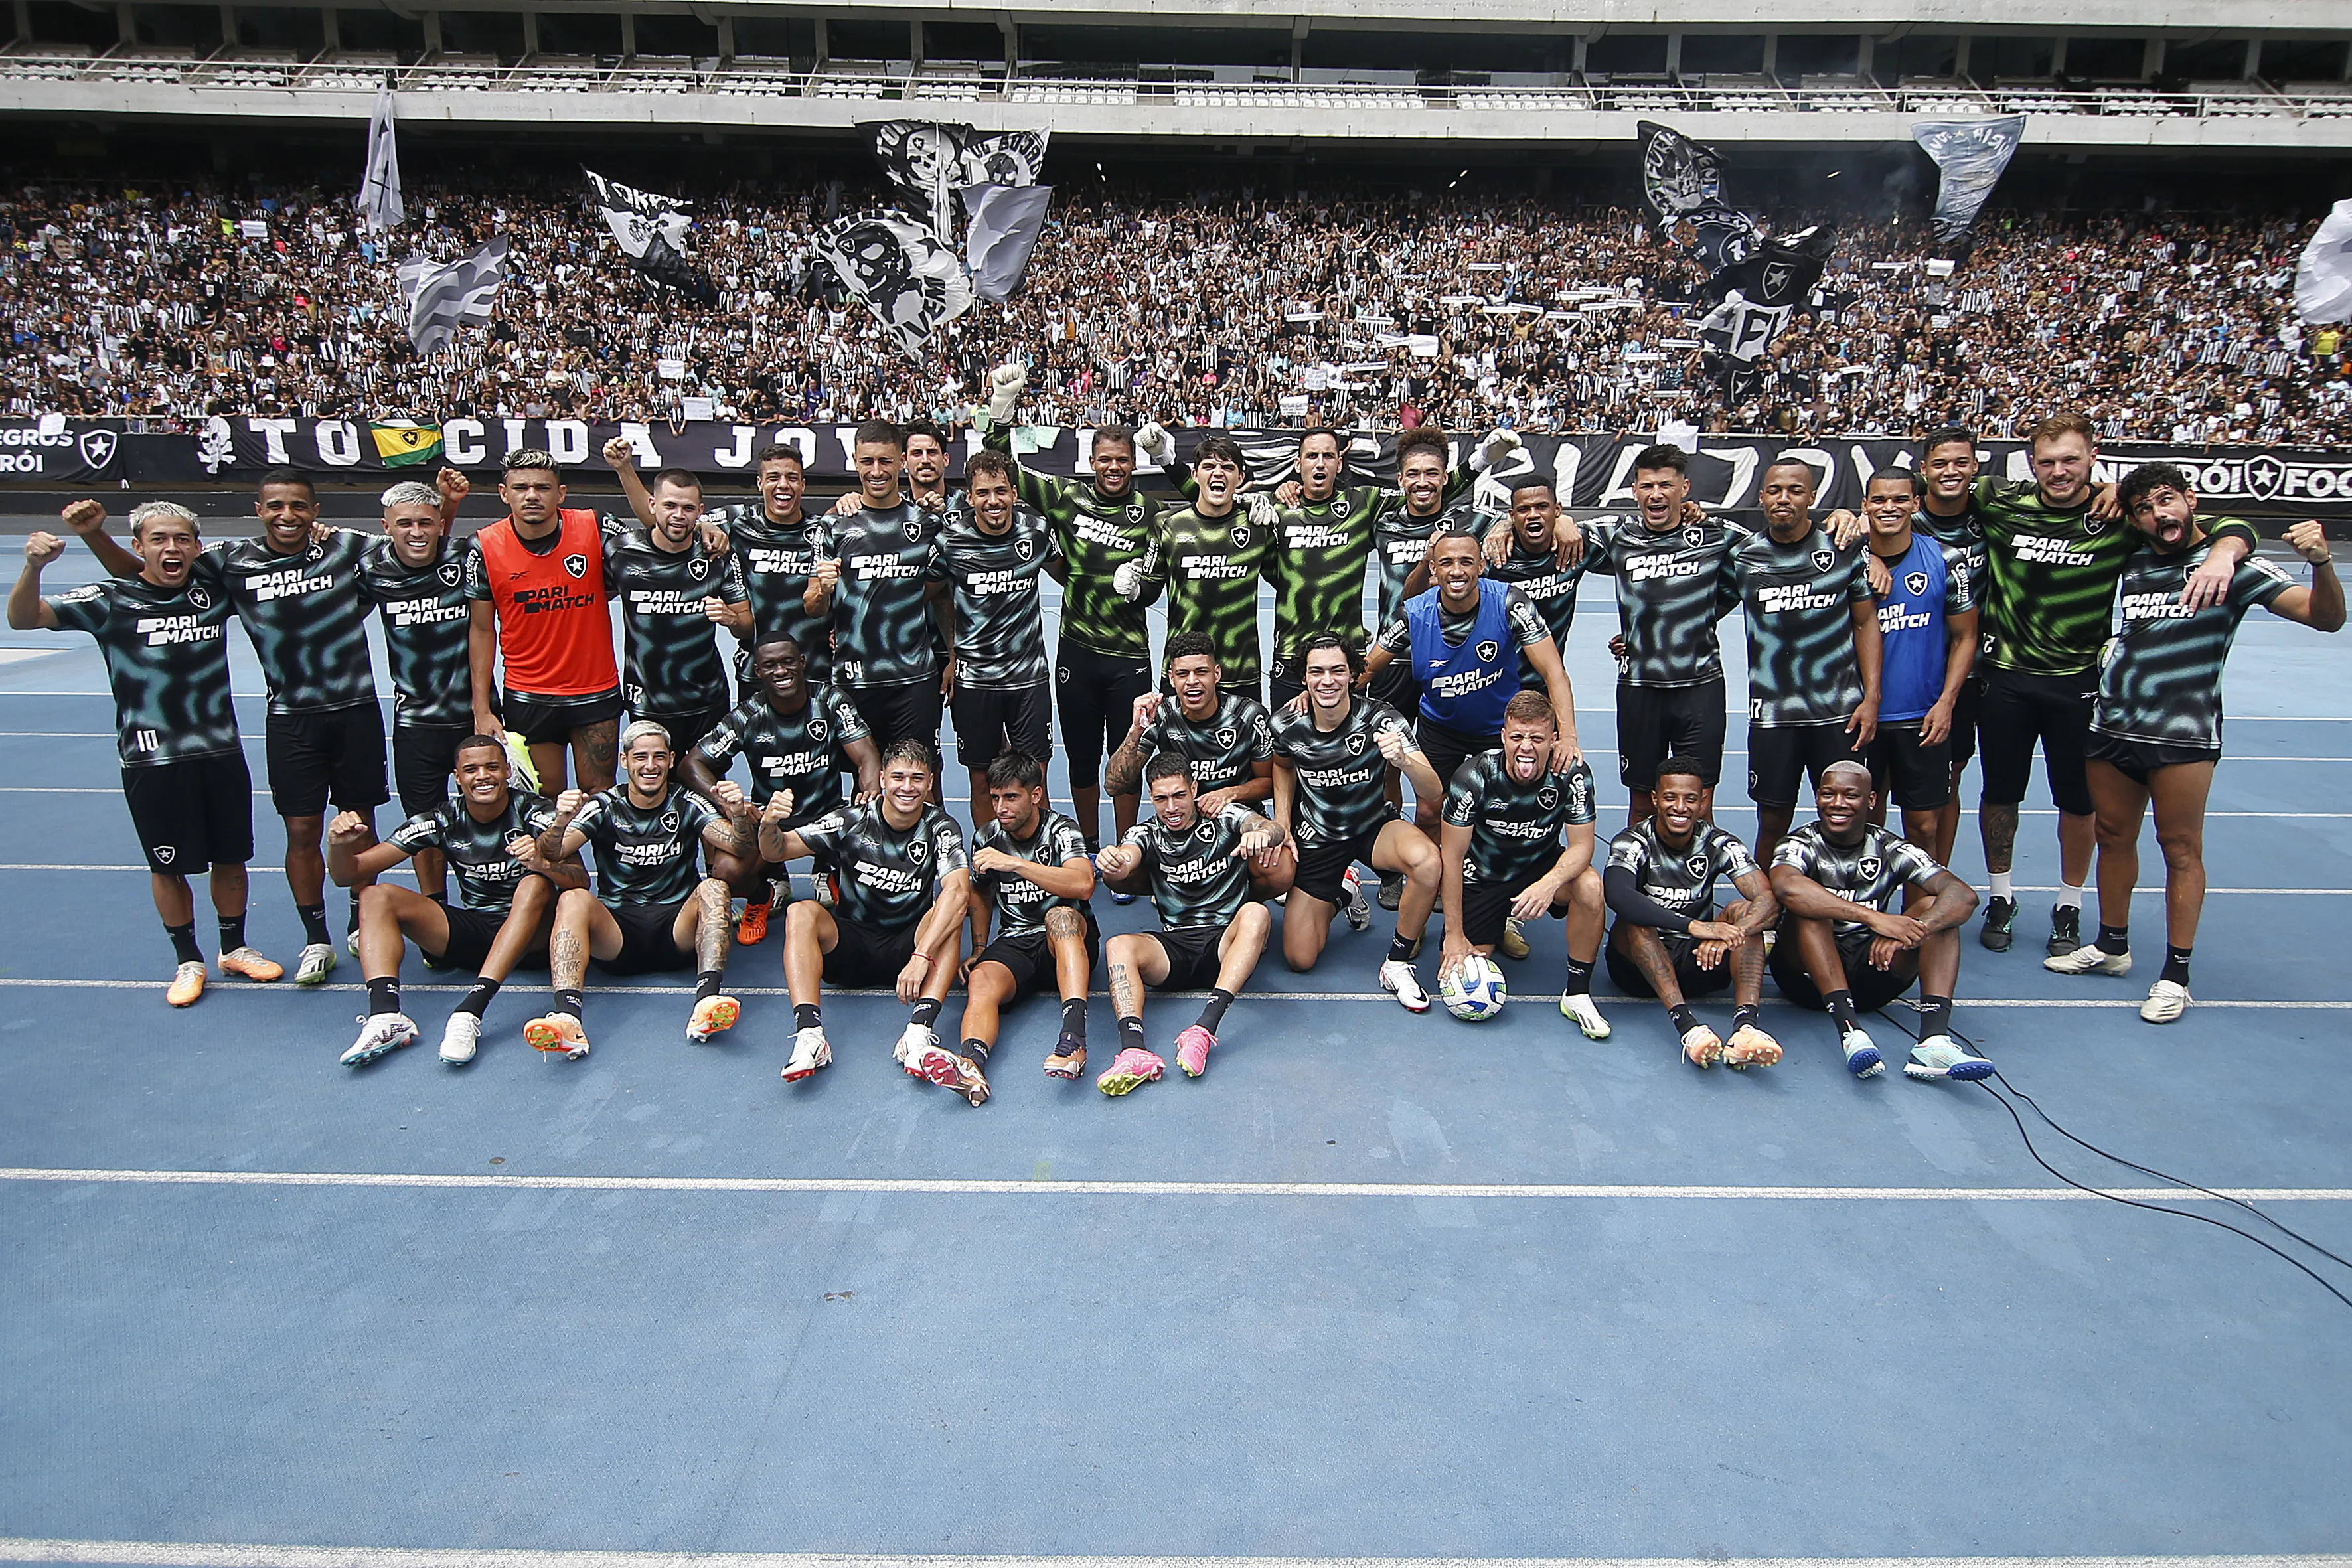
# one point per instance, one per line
(1813, 649)
(1947, 514)
(1535, 568)
(1228, 739)
(770, 540)
(927, 468)
(1669, 569)
(870, 576)
(1207, 556)
(988, 559)
(1102, 660)
(1926, 590)
(1502, 856)
(904, 886)
(1328, 763)
(505, 908)
(164, 637)
(792, 736)
(675, 594)
(1669, 940)
(1844, 947)
(1030, 868)
(650, 913)
(536, 578)
(416, 577)
(2050, 565)
(2156, 732)
(1211, 932)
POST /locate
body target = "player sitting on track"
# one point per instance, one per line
(1843, 947)
(1668, 942)
(2156, 733)
(1329, 767)
(506, 898)
(1197, 870)
(1029, 865)
(649, 912)
(1226, 735)
(904, 886)
(1503, 815)
(165, 641)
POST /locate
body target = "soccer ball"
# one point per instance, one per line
(1475, 991)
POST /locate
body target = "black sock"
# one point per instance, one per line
(1935, 1015)
(440, 897)
(1131, 1035)
(384, 995)
(805, 1016)
(1094, 843)
(478, 1000)
(568, 1001)
(1214, 1013)
(1073, 1017)
(232, 928)
(2114, 939)
(1747, 1015)
(1400, 948)
(314, 924)
(352, 923)
(1578, 981)
(1841, 1006)
(977, 1050)
(707, 984)
(183, 943)
(927, 1012)
(2176, 965)
(1685, 1019)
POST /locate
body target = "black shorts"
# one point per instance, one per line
(1395, 685)
(423, 759)
(989, 720)
(1486, 905)
(1964, 718)
(868, 955)
(193, 814)
(471, 933)
(1683, 950)
(687, 730)
(332, 754)
(1447, 748)
(1321, 865)
(1097, 693)
(648, 940)
(1030, 958)
(1655, 722)
(1921, 774)
(2019, 710)
(1872, 988)
(1193, 962)
(2139, 760)
(894, 713)
(1283, 687)
(1781, 754)
(550, 720)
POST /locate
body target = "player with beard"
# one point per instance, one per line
(1102, 662)
(792, 737)
(416, 577)
(989, 557)
(1227, 738)
(1029, 868)
(1927, 592)
(1502, 859)
(164, 637)
(2156, 732)
(506, 898)
(924, 473)
(1844, 948)
(769, 539)
(870, 577)
(675, 594)
(1207, 556)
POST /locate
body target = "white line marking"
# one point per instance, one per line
(205, 1554)
(970, 1187)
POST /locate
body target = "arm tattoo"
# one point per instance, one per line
(1124, 773)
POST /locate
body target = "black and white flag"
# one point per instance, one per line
(929, 162)
(379, 204)
(912, 283)
(1780, 270)
(1681, 182)
(1970, 155)
(441, 294)
(651, 231)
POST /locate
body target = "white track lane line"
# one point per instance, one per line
(203, 1554)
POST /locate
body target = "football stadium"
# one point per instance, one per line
(1175, 786)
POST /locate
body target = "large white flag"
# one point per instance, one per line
(2323, 279)
(379, 203)
(441, 294)
(1005, 223)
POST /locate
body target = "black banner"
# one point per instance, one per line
(53, 452)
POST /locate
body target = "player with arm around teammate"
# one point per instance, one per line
(1031, 871)
(1928, 630)
(1843, 945)
(2156, 731)
(1506, 812)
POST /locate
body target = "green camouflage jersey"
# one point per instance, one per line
(1096, 535)
(1318, 564)
(2161, 679)
(1210, 567)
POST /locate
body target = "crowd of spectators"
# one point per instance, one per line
(1233, 307)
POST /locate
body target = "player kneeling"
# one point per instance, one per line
(650, 913)
(1842, 945)
(1197, 871)
(1030, 866)
(1502, 820)
(506, 896)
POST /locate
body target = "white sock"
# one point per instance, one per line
(2001, 886)
(2070, 896)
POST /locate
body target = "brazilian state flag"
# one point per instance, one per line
(404, 446)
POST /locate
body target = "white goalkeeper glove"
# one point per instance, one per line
(1498, 445)
(1004, 384)
(1127, 580)
(1156, 443)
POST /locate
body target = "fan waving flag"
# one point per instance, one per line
(927, 161)
(442, 294)
(1970, 155)
(1681, 182)
(2323, 278)
(379, 203)
(912, 283)
(651, 231)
